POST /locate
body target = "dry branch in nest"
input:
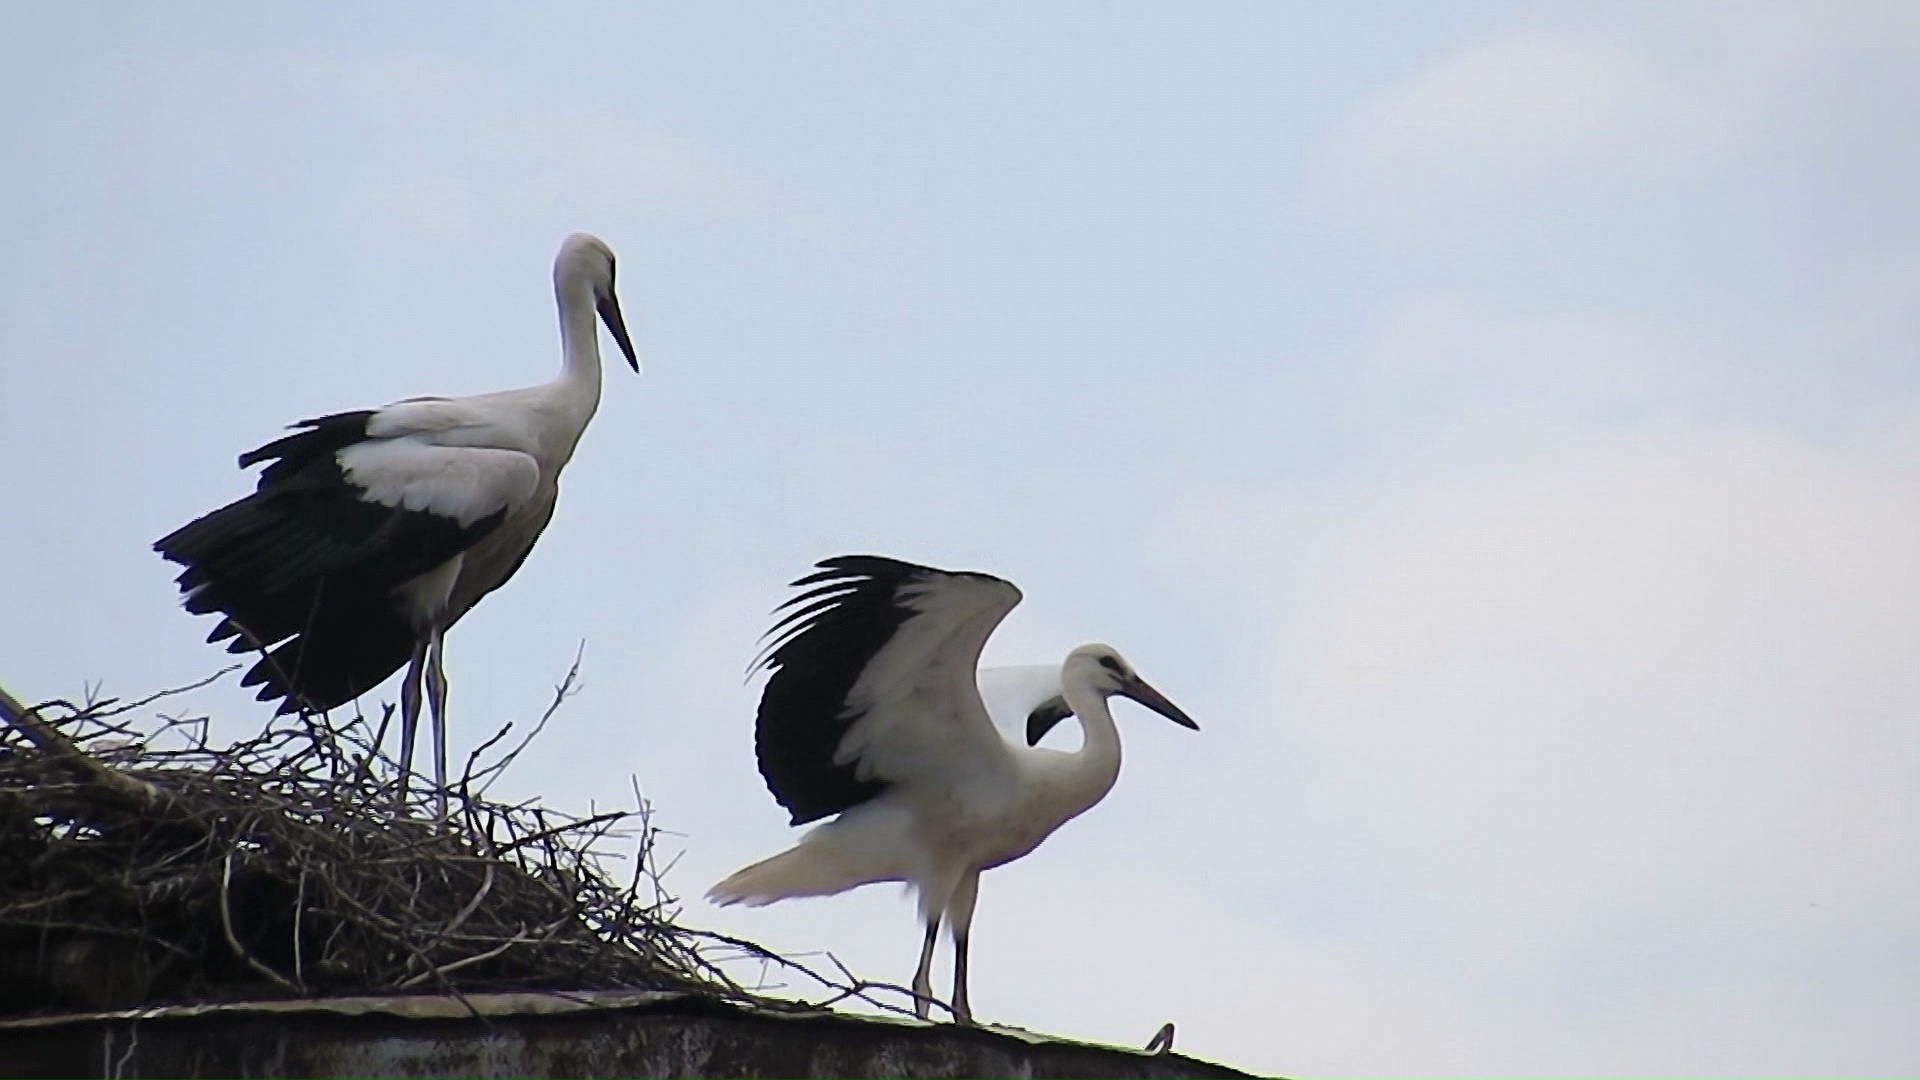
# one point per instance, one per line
(140, 863)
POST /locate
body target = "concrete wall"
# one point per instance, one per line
(544, 1035)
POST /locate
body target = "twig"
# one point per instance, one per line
(226, 924)
(126, 707)
(569, 686)
(299, 909)
(447, 969)
(43, 735)
(486, 886)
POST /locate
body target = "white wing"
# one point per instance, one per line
(465, 483)
(874, 684)
(921, 715)
(501, 421)
(463, 458)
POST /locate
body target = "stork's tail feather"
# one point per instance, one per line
(805, 870)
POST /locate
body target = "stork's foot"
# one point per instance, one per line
(962, 1007)
(922, 997)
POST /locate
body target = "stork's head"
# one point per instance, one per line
(1101, 669)
(586, 262)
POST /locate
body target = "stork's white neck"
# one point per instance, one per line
(576, 393)
(1096, 765)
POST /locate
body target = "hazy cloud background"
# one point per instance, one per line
(1498, 424)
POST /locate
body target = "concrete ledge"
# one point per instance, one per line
(618, 1033)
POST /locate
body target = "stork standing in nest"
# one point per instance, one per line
(873, 713)
(372, 532)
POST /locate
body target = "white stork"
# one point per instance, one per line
(873, 714)
(372, 532)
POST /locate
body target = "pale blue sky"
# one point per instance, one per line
(1497, 424)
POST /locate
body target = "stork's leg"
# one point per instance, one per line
(409, 723)
(960, 917)
(923, 978)
(437, 702)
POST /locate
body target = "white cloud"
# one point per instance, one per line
(1809, 73)
(1679, 655)
(1529, 112)
(1627, 718)
(1437, 352)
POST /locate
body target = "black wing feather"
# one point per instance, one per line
(313, 440)
(803, 710)
(307, 565)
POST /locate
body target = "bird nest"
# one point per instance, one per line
(140, 863)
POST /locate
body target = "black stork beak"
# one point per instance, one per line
(609, 307)
(1137, 689)
(1051, 712)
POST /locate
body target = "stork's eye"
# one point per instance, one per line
(1112, 665)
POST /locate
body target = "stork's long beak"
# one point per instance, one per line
(1137, 689)
(609, 308)
(1051, 712)
(1045, 718)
